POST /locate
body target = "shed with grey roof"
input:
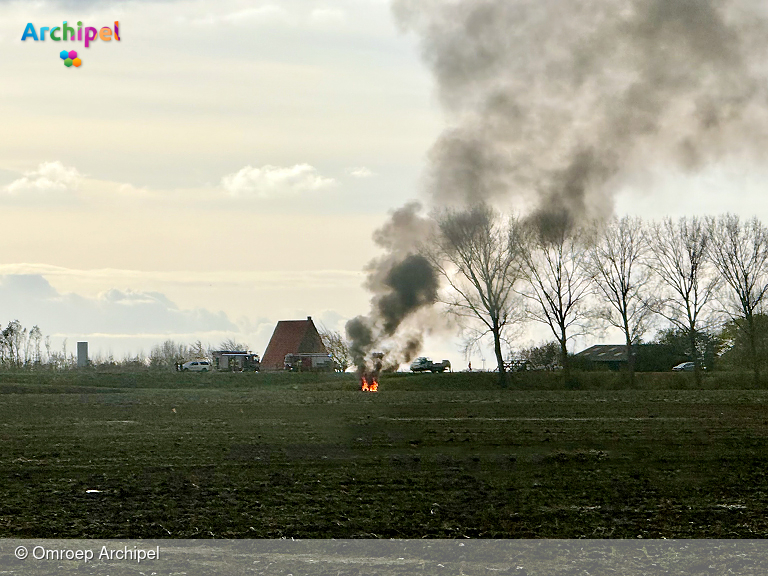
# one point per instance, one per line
(614, 356)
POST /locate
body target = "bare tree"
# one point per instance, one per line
(739, 251)
(12, 340)
(558, 283)
(478, 252)
(48, 350)
(35, 338)
(198, 350)
(618, 267)
(337, 346)
(64, 357)
(232, 345)
(689, 284)
(167, 354)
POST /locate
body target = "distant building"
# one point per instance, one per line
(291, 337)
(82, 354)
(614, 356)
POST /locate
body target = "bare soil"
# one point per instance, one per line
(316, 458)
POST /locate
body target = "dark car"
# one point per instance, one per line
(684, 367)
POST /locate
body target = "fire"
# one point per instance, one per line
(365, 386)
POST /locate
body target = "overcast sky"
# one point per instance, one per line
(222, 167)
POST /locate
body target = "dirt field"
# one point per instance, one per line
(243, 456)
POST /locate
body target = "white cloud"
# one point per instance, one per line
(326, 16)
(152, 305)
(269, 181)
(266, 13)
(49, 177)
(279, 280)
(33, 300)
(360, 172)
(131, 191)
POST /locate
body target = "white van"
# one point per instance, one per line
(196, 366)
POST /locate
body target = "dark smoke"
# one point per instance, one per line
(553, 105)
(406, 352)
(412, 284)
(402, 281)
(360, 335)
(411, 348)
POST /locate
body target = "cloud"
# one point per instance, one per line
(89, 3)
(50, 177)
(278, 280)
(133, 191)
(270, 181)
(328, 16)
(33, 300)
(360, 172)
(266, 13)
(126, 321)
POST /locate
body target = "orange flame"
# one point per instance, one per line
(366, 387)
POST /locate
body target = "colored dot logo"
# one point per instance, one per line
(70, 58)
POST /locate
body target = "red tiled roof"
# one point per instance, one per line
(291, 337)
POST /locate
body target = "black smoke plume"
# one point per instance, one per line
(402, 281)
(412, 284)
(360, 335)
(551, 106)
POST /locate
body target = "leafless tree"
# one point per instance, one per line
(12, 339)
(232, 345)
(337, 346)
(477, 251)
(739, 251)
(198, 350)
(618, 267)
(169, 353)
(558, 282)
(679, 258)
(35, 338)
(48, 349)
(64, 358)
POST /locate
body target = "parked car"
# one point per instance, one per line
(684, 367)
(423, 364)
(196, 366)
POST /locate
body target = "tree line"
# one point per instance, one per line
(691, 275)
(22, 348)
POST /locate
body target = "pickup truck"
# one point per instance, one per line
(423, 364)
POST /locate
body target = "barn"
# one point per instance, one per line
(292, 337)
(612, 356)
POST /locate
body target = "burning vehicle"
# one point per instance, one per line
(369, 383)
(369, 378)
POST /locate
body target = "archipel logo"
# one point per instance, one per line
(70, 58)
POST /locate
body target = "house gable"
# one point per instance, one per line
(291, 337)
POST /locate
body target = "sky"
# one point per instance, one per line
(223, 167)
(220, 168)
